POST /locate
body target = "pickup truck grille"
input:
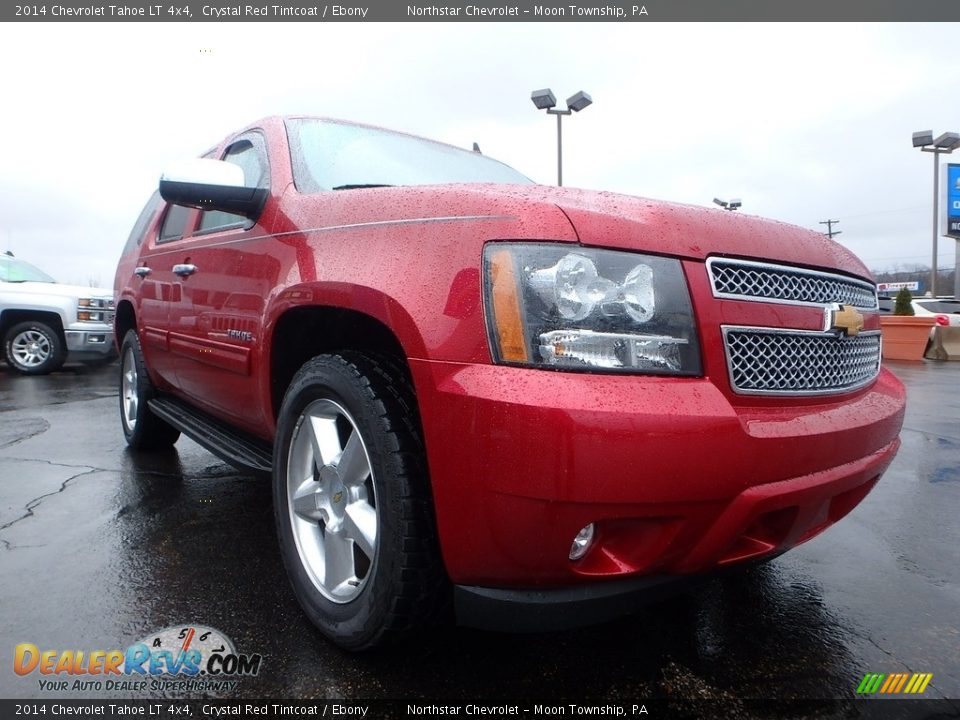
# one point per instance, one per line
(768, 361)
(745, 280)
(784, 361)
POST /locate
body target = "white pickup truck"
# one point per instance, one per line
(44, 323)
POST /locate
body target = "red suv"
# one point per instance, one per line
(535, 405)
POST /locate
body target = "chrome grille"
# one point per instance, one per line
(770, 361)
(745, 280)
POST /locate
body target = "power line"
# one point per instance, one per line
(891, 211)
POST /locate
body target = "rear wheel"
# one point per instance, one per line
(352, 501)
(34, 348)
(142, 429)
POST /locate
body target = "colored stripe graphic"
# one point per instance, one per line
(870, 683)
(894, 683)
(919, 683)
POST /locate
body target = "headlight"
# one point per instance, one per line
(91, 309)
(553, 305)
(92, 303)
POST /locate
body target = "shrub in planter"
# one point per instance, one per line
(903, 303)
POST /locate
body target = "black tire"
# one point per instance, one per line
(370, 587)
(142, 429)
(34, 348)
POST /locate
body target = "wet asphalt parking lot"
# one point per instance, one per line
(100, 547)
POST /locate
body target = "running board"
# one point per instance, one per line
(241, 450)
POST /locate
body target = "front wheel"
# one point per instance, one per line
(34, 348)
(352, 501)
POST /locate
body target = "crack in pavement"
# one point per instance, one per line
(208, 474)
(63, 465)
(33, 504)
(869, 639)
(45, 425)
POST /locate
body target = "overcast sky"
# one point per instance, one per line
(803, 122)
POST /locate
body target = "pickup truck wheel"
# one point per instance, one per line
(34, 348)
(142, 429)
(352, 501)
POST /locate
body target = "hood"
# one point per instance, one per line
(631, 223)
(601, 219)
(56, 289)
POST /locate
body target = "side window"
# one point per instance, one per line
(249, 154)
(174, 223)
(140, 226)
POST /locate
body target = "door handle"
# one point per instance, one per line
(184, 270)
(142, 272)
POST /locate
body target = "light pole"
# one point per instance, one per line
(731, 204)
(545, 100)
(943, 145)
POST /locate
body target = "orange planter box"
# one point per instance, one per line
(905, 336)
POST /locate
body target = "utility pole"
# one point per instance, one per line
(830, 231)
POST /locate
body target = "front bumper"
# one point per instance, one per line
(548, 610)
(678, 479)
(90, 343)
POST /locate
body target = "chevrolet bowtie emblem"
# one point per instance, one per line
(845, 319)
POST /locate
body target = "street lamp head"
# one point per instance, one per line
(543, 99)
(579, 101)
(731, 204)
(923, 137)
(949, 141)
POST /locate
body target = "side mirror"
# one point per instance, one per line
(212, 185)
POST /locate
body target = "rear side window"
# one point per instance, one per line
(140, 226)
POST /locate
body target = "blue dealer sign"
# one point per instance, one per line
(953, 201)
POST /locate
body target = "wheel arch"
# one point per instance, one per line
(9, 318)
(125, 319)
(302, 333)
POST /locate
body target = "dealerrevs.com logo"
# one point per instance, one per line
(179, 658)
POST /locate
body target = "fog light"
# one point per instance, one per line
(582, 542)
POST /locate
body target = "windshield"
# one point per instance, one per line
(13, 270)
(329, 155)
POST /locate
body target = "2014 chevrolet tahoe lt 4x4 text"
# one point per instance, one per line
(540, 403)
